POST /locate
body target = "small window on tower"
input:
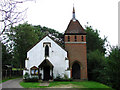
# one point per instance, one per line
(68, 38)
(75, 38)
(82, 38)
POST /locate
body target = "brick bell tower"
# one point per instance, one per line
(75, 44)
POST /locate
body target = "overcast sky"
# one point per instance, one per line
(56, 14)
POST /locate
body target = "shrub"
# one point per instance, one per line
(26, 76)
(65, 76)
(59, 78)
(33, 79)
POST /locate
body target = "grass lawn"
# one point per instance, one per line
(72, 84)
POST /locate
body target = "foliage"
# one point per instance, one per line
(31, 79)
(96, 56)
(94, 41)
(26, 76)
(6, 56)
(23, 38)
(65, 76)
(105, 70)
(112, 68)
(55, 35)
(58, 76)
(96, 65)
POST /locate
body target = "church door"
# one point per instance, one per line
(46, 73)
(76, 71)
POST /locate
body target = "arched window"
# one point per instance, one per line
(75, 38)
(46, 50)
(82, 38)
(34, 70)
(68, 38)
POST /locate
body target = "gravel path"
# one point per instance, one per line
(14, 83)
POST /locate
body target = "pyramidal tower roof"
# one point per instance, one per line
(74, 27)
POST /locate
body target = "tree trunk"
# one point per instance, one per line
(20, 68)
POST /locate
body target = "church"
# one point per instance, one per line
(47, 59)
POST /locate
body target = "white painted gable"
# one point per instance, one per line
(57, 57)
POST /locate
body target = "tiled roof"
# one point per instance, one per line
(74, 27)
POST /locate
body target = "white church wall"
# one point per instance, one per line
(57, 57)
(26, 62)
(68, 73)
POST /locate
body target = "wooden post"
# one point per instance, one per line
(10, 72)
(6, 74)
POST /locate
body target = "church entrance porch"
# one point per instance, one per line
(76, 71)
(46, 70)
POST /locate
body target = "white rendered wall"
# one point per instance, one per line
(57, 57)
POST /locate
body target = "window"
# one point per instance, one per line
(68, 38)
(46, 50)
(82, 38)
(34, 70)
(75, 38)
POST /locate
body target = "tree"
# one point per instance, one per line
(6, 56)
(55, 35)
(96, 65)
(94, 41)
(23, 37)
(10, 13)
(113, 68)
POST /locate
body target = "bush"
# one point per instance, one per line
(59, 78)
(65, 76)
(33, 79)
(27, 78)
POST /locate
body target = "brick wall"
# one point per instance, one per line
(72, 38)
(77, 52)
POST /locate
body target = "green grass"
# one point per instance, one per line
(16, 69)
(82, 84)
(9, 78)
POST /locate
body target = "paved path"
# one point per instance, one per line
(44, 84)
(14, 83)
